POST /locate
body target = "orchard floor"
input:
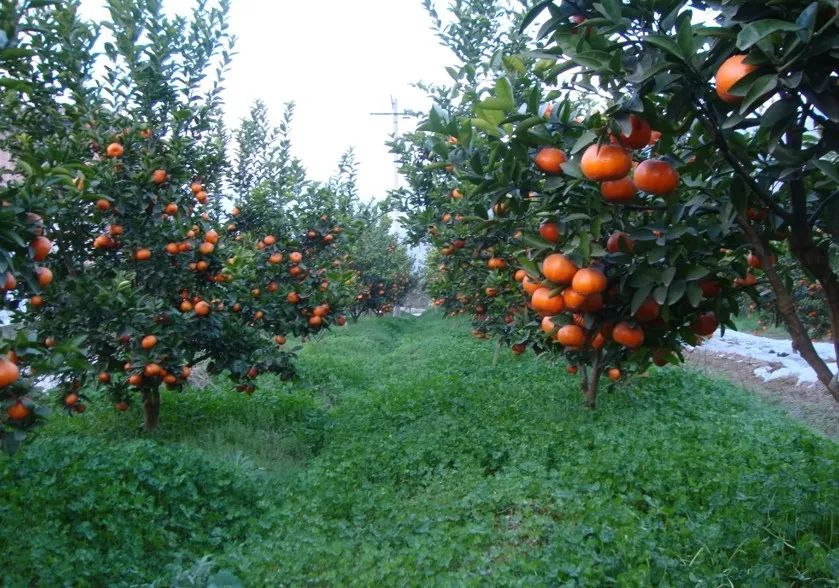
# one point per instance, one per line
(404, 457)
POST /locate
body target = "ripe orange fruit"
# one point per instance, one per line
(648, 311)
(171, 209)
(36, 301)
(148, 342)
(619, 241)
(656, 177)
(275, 258)
(519, 348)
(293, 297)
(605, 162)
(572, 369)
(10, 281)
(279, 340)
(589, 280)
(185, 306)
(548, 326)
(115, 230)
(114, 150)
(44, 276)
(639, 137)
(729, 73)
(549, 231)
(456, 194)
(496, 263)
(529, 285)
(571, 336)
(342, 320)
(142, 254)
(41, 247)
(545, 304)
(71, 399)
(705, 325)
(196, 187)
(491, 292)
(211, 236)
(573, 299)
(202, 266)
(295, 257)
(206, 248)
(202, 308)
(172, 248)
(9, 372)
(628, 335)
(315, 321)
(550, 159)
(103, 204)
(269, 240)
(121, 406)
(519, 275)
(18, 411)
(159, 176)
(104, 377)
(748, 280)
(559, 269)
(152, 370)
(614, 374)
(622, 190)
(202, 197)
(103, 242)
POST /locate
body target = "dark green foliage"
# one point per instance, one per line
(410, 459)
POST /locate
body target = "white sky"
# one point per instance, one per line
(338, 61)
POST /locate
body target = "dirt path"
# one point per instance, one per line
(808, 403)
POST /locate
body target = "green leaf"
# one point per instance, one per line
(486, 126)
(639, 297)
(827, 168)
(694, 294)
(685, 33)
(660, 294)
(668, 275)
(755, 31)
(586, 139)
(696, 272)
(529, 266)
(759, 89)
(504, 93)
(665, 43)
(676, 291)
(611, 9)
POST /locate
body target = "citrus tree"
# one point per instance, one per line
(642, 180)
(123, 156)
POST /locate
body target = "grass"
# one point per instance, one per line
(404, 457)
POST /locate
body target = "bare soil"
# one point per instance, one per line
(811, 405)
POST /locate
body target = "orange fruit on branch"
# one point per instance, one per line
(605, 162)
(656, 177)
(589, 280)
(571, 336)
(729, 73)
(545, 304)
(639, 137)
(628, 335)
(549, 231)
(622, 190)
(559, 269)
(550, 159)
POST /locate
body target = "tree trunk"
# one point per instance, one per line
(591, 381)
(151, 410)
(786, 308)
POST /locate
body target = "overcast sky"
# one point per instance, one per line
(338, 61)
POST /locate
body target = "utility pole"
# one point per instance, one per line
(394, 112)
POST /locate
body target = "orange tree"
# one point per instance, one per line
(648, 233)
(129, 169)
(382, 265)
(744, 96)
